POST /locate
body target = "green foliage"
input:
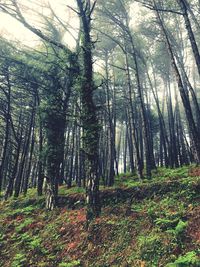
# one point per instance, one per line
(27, 203)
(73, 190)
(20, 211)
(36, 245)
(164, 173)
(126, 179)
(30, 241)
(180, 228)
(190, 259)
(165, 223)
(19, 260)
(25, 223)
(24, 238)
(154, 245)
(153, 230)
(74, 263)
(2, 237)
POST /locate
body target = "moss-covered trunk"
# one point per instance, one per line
(55, 121)
(89, 115)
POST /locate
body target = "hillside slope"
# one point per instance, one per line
(142, 224)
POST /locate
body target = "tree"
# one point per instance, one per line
(89, 116)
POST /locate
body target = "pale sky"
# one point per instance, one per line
(14, 30)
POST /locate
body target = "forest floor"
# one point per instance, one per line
(144, 224)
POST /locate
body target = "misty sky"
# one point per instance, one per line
(14, 30)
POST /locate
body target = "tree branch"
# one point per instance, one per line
(18, 16)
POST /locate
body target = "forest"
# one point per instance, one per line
(99, 133)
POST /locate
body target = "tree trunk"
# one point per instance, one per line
(190, 33)
(89, 117)
(184, 96)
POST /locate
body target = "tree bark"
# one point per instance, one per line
(89, 117)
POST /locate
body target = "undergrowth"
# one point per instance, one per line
(160, 229)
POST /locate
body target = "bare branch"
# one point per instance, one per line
(113, 39)
(63, 25)
(74, 10)
(92, 8)
(152, 7)
(18, 16)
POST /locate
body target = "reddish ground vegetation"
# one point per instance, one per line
(194, 172)
(194, 225)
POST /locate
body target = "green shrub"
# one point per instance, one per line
(74, 263)
(22, 239)
(150, 247)
(2, 237)
(19, 260)
(190, 259)
(36, 245)
(165, 223)
(180, 228)
(21, 226)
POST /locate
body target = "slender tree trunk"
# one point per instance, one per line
(19, 177)
(111, 137)
(134, 128)
(184, 96)
(27, 173)
(7, 130)
(190, 32)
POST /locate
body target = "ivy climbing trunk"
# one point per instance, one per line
(54, 126)
(89, 115)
